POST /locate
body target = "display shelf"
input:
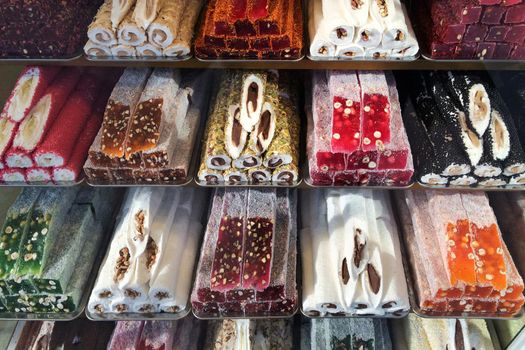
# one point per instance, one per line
(304, 64)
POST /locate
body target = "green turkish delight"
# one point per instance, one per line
(47, 218)
(60, 263)
(21, 286)
(14, 230)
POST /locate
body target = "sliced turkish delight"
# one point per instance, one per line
(466, 50)
(516, 34)
(493, 14)
(502, 51)
(126, 335)
(485, 50)
(120, 107)
(518, 53)
(475, 33)
(39, 175)
(42, 116)
(515, 14)
(448, 28)
(469, 11)
(227, 265)
(497, 33)
(442, 50)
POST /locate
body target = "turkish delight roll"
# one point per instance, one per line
(13, 175)
(339, 29)
(253, 91)
(122, 50)
(396, 33)
(59, 142)
(369, 34)
(30, 87)
(164, 29)
(18, 158)
(148, 50)
(214, 154)
(152, 117)
(39, 175)
(130, 33)
(145, 12)
(120, 107)
(320, 45)
(470, 92)
(96, 50)
(100, 31)
(7, 134)
(39, 120)
(181, 45)
(157, 335)
(119, 10)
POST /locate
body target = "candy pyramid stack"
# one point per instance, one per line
(368, 29)
(252, 134)
(460, 264)
(473, 29)
(44, 28)
(143, 28)
(355, 131)
(150, 126)
(464, 132)
(351, 257)
(50, 239)
(253, 29)
(49, 121)
(149, 265)
(416, 333)
(248, 259)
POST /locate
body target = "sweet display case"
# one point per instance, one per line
(267, 174)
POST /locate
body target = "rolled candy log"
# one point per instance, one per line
(60, 140)
(287, 174)
(38, 175)
(130, 33)
(339, 29)
(164, 29)
(120, 107)
(396, 31)
(356, 12)
(214, 154)
(7, 134)
(100, 31)
(235, 177)
(469, 92)
(253, 92)
(145, 12)
(17, 158)
(181, 45)
(369, 34)
(259, 175)
(148, 50)
(249, 158)
(13, 175)
(121, 50)
(96, 50)
(210, 176)
(349, 51)
(30, 87)
(41, 117)
(119, 10)
(264, 131)
(463, 180)
(320, 45)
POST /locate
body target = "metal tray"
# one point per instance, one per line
(41, 59)
(364, 59)
(474, 187)
(412, 295)
(234, 317)
(427, 57)
(131, 316)
(391, 316)
(244, 60)
(247, 184)
(110, 59)
(43, 184)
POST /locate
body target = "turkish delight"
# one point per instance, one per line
(471, 272)
(247, 265)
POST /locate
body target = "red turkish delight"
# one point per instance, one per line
(511, 2)
(518, 53)
(259, 9)
(515, 14)
(497, 33)
(475, 33)
(442, 50)
(489, 2)
(448, 28)
(516, 34)
(485, 50)
(493, 15)
(502, 51)
(469, 11)
(466, 50)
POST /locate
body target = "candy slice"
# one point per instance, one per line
(252, 98)
(15, 229)
(48, 215)
(30, 87)
(13, 175)
(376, 111)
(150, 118)
(257, 255)
(7, 133)
(39, 175)
(447, 26)
(56, 149)
(39, 120)
(345, 94)
(227, 264)
(126, 335)
(120, 107)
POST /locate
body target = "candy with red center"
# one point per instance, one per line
(258, 9)
(258, 240)
(345, 96)
(39, 120)
(30, 86)
(60, 141)
(375, 110)
(227, 264)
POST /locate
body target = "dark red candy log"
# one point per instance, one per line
(238, 9)
(227, 263)
(346, 125)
